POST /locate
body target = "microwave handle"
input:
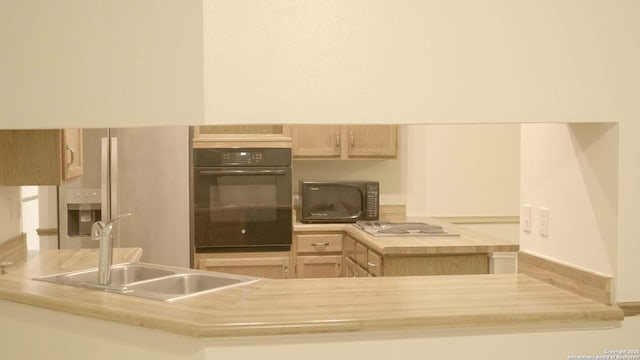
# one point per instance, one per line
(242, 172)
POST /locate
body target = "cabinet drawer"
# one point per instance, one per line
(319, 243)
(374, 263)
(266, 267)
(349, 246)
(361, 255)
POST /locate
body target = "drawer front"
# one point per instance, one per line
(374, 263)
(361, 255)
(349, 246)
(319, 243)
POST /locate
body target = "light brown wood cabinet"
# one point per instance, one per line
(318, 266)
(367, 262)
(344, 142)
(214, 130)
(40, 157)
(274, 265)
(318, 255)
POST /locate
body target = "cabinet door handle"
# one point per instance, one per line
(337, 140)
(371, 264)
(286, 271)
(320, 246)
(72, 153)
(353, 139)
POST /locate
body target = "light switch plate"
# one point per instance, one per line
(544, 222)
(525, 217)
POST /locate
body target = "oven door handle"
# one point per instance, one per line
(243, 172)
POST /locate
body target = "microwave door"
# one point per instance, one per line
(333, 203)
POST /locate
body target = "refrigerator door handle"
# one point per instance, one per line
(113, 180)
(104, 180)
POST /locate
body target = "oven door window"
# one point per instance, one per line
(256, 194)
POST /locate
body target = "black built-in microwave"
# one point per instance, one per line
(338, 201)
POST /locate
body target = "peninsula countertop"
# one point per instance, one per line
(296, 306)
(469, 241)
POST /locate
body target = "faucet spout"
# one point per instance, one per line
(103, 232)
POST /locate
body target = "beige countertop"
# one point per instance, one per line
(468, 242)
(273, 307)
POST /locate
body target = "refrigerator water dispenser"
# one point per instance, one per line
(83, 209)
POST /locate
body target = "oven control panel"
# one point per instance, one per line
(242, 158)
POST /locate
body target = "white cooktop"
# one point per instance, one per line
(381, 228)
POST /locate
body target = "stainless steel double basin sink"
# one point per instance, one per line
(152, 281)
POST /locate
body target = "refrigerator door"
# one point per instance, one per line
(80, 199)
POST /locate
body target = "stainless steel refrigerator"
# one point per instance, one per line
(142, 171)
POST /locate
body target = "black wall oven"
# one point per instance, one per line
(241, 199)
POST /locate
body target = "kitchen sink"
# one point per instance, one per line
(152, 281)
(182, 285)
(121, 275)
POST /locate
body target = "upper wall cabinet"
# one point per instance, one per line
(204, 132)
(40, 157)
(344, 142)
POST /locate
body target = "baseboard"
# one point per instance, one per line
(631, 308)
(591, 285)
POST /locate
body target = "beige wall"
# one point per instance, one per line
(573, 171)
(463, 170)
(29, 332)
(96, 63)
(410, 61)
(627, 288)
(10, 212)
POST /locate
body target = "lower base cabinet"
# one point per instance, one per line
(265, 265)
(318, 254)
(359, 261)
(333, 254)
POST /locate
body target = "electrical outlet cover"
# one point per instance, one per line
(544, 222)
(525, 218)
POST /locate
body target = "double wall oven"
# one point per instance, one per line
(241, 199)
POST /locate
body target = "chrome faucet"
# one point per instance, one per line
(103, 233)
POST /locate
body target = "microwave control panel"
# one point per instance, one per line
(373, 197)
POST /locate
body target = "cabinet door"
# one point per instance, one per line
(348, 267)
(204, 131)
(374, 263)
(267, 267)
(72, 153)
(321, 266)
(309, 141)
(30, 157)
(361, 255)
(372, 140)
(349, 247)
(361, 272)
